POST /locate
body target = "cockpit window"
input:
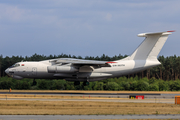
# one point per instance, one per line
(16, 65)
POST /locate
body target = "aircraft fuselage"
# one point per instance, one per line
(39, 70)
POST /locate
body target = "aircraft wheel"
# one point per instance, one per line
(34, 82)
(85, 83)
(76, 83)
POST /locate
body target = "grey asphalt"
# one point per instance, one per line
(106, 95)
(122, 97)
(77, 93)
(76, 117)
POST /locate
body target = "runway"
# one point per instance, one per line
(149, 97)
(98, 94)
(76, 117)
(79, 93)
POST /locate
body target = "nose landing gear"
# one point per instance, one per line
(34, 82)
(76, 82)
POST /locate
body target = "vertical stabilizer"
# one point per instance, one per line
(151, 46)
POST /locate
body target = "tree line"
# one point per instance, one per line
(164, 77)
(113, 84)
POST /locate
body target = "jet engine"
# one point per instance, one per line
(60, 69)
(17, 77)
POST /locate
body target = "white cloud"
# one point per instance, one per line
(108, 17)
(11, 13)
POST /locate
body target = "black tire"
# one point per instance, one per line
(34, 82)
(76, 83)
(85, 83)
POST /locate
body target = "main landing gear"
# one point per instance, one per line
(78, 83)
(85, 83)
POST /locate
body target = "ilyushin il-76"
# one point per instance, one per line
(79, 70)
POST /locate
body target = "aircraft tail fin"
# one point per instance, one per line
(150, 47)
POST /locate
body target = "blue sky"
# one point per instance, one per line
(85, 27)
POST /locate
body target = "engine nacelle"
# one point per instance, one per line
(17, 77)
(60, 69)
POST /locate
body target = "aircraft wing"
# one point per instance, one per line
(81, 62)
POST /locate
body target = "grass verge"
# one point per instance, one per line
(22, 107)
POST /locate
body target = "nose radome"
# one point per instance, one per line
(7, 71)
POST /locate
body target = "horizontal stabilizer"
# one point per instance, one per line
(162, 33)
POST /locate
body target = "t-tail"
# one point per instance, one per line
(150, 47)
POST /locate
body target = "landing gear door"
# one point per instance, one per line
(34, 71)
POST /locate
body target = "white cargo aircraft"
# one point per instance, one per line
(144, 57)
